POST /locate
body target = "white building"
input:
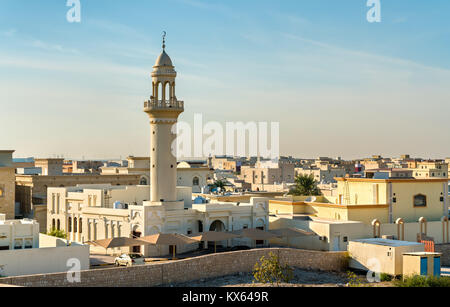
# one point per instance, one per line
(18, 234)
(23, 251)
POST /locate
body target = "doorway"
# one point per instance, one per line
(136, 249)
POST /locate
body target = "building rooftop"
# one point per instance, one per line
(386, 242)
(422, 254)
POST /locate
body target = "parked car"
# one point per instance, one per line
(129, 260)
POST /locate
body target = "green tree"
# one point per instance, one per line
(305, 185)
(270, 270)
(57, 233)
(219, 184)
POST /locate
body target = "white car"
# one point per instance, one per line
(129, 260)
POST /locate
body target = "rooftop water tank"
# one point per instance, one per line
(118, 205)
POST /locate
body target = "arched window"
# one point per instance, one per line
(167, 91)
(143, 181)
(420, 201)
(80, 227)
(196, 181)
(53, 224)
(75, 225)
(58, 225)
(69, 226)
(159, 90)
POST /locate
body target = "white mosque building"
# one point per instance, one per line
(88, 213)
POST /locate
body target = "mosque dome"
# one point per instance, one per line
(163, 60)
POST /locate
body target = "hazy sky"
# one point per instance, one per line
(337, 84)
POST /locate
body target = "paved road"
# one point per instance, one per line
(101, 260)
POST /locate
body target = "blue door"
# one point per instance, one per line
(424, 266)
(437, 266)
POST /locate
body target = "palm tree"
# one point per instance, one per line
(305, 185)
(219, 184)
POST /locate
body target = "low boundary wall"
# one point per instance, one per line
(209, 266)
(445, 250)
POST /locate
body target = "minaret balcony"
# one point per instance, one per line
(172, 104)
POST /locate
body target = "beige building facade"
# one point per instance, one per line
(7, 184)
(187, 174)
(50, 167)
(323, 174)
(431, 169)
(267, 174)
(367, 208)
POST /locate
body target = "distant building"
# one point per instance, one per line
(193, 175)
(7, 181)
(50, 167)
(431, 169)
(86, 167)
(388, 173)
(323, 174)
(268, 173)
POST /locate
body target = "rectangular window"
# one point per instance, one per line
(420, 201)
(28, 243)
(18, 243)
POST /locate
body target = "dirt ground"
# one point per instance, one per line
(302, 278)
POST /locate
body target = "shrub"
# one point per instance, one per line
(423, 281)
(271, 271)
(354, 280)
(385, 277)
(57, 233)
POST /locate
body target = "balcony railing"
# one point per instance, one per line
(164, 104)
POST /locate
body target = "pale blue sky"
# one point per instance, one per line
(338, 85)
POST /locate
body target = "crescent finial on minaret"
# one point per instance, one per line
(164, 40)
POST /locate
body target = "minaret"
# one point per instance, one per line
(163, 108)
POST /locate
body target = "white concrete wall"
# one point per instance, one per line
(42, 260)
(49, 241)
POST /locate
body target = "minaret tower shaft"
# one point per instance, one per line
(163, 108)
